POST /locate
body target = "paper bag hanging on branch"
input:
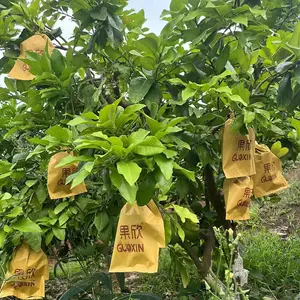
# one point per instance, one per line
(237, 152)
(268, 178)
(26, 275)
(237, 194)
(139, 236)
(57, 186)
(37, 43)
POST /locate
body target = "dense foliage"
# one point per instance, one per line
(143, 112)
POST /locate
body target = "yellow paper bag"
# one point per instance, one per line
(237, 152)
(139, 236)
(268, 178)
(57, 186)
(237, 194)
(37, 44)
(26, 275)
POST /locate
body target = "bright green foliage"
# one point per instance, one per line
(142, 112)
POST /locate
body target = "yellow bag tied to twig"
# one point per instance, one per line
(57, 186)
(36, 43)
(237, 152)
(237, 194)
(26, 275)
(139, 236)
(268, 178)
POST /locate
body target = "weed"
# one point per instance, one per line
(273, 263)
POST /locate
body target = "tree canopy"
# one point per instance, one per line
(143, 113)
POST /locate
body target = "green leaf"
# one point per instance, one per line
(223, 58)
(71, 159)
(34, 240)
(26, 225)
(57, 62)
(185, 213)
(61, 134)
(240, 20)
(100, 15)
(16, 211)
(165, 165)
(150, 146)
(180, 232)
(189, 174)
(60, 207)
(177, 5)
(188, 93)
(127, 191)
(146, 190)
(296, 124)
(168, 229)
(130, 170)
(3, 235)
(185, 278)
(49, 238)
(101, 220)
(249, 116)
(63, 219)
(152, 99)
(30, 183)
(285, 92)
(138, 89)
(59, 233)
(283, 67)
(41, 193)
(294, 42)
(276, 147)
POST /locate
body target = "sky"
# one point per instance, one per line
(152, 8)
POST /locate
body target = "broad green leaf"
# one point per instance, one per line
(79, 120)
(57, 62)
(60, 207)
(276, 147)
(130, 170)
(180, 232)
(138, 89)
(150, 146)
(177, 5)
(34, 240)
(59, 233)
(165, 165)
(101, 220)
(26, 225)
(16, 211)
(240, 20)
(61, 134)
(40, 193)
(285, 92)
(184, 213)
(296, 124)
(30, 183)
(100, 15)
(127, 191)
(3, 235)
(223, 58)
(154, 125)
(185, 278)
(49, 237)
(139, 136)
(283, 67)
(168, 229)
(72, 159)
(294, 42)
(189, 174)
(63, 219)
(188, 93)
(146, 190)
(249, 116)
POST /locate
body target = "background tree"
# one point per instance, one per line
(162, 102)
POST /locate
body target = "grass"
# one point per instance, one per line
(271, 247)
(274, 265)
